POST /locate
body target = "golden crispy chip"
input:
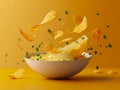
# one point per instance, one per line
(58, 34)
(77, 19)
(111, 72)
(81, 27)
(27, 36)
(98, 71)
(18, 74)
(20, 46)
(96, 33)
(76, 47)
(35, 27)
(50, 16)
(65, 40)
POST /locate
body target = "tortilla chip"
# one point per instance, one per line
(96, 34)
(81, 27)
(58, 34)
(35, 27)
(18, 74)
(49, 17)
(77, 19)
(27, 36)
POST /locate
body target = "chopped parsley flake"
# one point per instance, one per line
(18, 63)
(97, 14)
(100, 45)
(76, 41)
(109, 45)
(83, 38)
(97, 67)
(23, 60)
(90, 48)
(19, 39)
(105, 36)
(66, 12)
(37, 49)
(67, 43)
(33, 46)
(59, 19)
(49, 30)
(95, 52)
(27, 53)
(6, 54)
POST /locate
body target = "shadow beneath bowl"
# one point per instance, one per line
(86, 78)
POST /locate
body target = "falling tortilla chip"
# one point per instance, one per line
(27, 36)
(35, 27)
(75, 48)
(18, 74)
(50, 16)
(96, 33)
(20, 46)
(58, 34)
(77, 19)
(82, 26)
(66, 39)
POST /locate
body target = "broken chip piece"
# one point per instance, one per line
(77, 19)
(96, 33)
(58, 34)
(48, 18)
(18, 74)
(27, 36)
(82, 26)
(98, 71)
(111, 72)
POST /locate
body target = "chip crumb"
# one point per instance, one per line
(112, 72)
(97, 71)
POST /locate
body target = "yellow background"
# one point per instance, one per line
(15, 14)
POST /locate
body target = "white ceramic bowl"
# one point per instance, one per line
(58, 69)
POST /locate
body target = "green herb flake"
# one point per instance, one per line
(38, 54)
(76, 41)
(97, 67)
(6, 54)
(49, 30)
(23, 60)
(83, 38)
(105, 36)
(66, 12)
(27, 53)
(95, 52)
(100, 45)
(90, 48)
(59, 19)
(109, 45)
(37, 49)
(67, 43)
(18, 63)
(19, 39)
(33, 46)
(97, 13)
